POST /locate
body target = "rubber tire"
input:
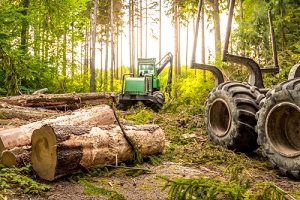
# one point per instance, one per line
(122, 105)
(230, 115)
(160, 100)
(278, 127)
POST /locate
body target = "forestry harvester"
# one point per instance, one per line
(145, 86)
(242, 116)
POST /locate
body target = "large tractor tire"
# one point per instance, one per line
(278, 127)
(160, 100)
(124, 104)
(230, 115)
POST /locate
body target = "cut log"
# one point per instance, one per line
(60, 101)
(21, 136)
(26, 113)
(16, 157)
(61, 150)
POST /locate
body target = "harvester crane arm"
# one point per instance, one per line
(168, 58)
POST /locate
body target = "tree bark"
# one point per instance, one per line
(21, 136)
(61, 150)
(26, 113)
(16, 157)
(68, 101)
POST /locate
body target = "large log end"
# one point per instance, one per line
(43, 156)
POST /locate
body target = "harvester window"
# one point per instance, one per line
(146, 69)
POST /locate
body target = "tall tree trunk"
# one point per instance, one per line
(241, 19)
(117, 54)
(101, 64)
(64, 62)
(87, 56)
(133, 38)
(217, 32)
(160, 20)
(25, 24)
(106, 58)
(203, 43)
(178, 48)
(130, 37)
(73, 51)
(112, 46)
(94, 37)
(146, 30)
(141, 28)
(176, 40)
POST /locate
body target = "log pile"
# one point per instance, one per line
(71, 141)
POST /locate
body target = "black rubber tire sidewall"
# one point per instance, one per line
(241, 135)
(288, 91)
(160, 100)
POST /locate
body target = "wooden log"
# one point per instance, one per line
(61, 150)
(21, 136)
(26, 113)
(16, 157)
(60, 101)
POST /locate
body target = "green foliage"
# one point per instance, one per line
(16, 179)
(204, 188)
(86, 179)
(92, 189)
(189, 90)
(141, 117)
(239, 186)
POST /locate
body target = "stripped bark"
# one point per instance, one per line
(61, 150)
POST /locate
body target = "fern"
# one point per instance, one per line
(203, 188)
(92, 189)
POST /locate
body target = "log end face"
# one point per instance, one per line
(8, 159)
(44, 157)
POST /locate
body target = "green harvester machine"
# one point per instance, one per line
(145, 85)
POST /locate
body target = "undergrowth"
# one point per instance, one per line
(14, 180)
(92, 177)
(239, 186)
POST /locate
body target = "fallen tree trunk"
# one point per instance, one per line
(16, 157)
(70, 101)
(21, 136)
(26, 113)
(61, 150)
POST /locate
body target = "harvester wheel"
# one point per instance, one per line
(278, 127)
(230, 115)
(160, 100)
(124, 104)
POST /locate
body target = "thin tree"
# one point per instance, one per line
(94, 36)
(112, 46)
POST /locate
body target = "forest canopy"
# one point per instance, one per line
(52, 43)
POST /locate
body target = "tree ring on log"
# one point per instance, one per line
(44, 151)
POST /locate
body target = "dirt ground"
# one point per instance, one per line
(148, 186)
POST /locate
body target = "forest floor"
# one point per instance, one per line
(188, 154)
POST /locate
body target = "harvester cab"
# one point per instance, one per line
(145, 85)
